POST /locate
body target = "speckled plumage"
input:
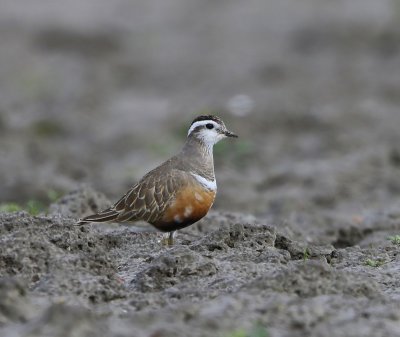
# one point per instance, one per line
(170, 197)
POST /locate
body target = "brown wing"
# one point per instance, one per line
(147, 200)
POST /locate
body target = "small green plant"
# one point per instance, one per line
(306, 254)
(53, 195)
(48, 128)
(395, 239)
(34, 207)
(374, 263)
(257, 331)
(9, 207)
(237, 333)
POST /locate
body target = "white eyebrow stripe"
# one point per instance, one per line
(210, 184)
(199, 123)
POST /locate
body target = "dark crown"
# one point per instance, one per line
(208, 118)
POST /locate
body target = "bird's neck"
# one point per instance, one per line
(199, 157)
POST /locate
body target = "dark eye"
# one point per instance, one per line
(210, 126)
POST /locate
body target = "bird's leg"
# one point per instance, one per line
(168, 239)
(171, 238)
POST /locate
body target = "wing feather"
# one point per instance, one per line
(147, 200)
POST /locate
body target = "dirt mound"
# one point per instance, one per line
(223, 274)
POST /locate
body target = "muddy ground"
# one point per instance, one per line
(302, 238)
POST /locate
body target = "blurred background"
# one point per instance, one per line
(99, 92)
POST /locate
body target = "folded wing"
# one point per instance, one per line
(147, 200)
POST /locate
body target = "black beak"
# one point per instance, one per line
(230, 134)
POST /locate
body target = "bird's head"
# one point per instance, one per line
(209, 130)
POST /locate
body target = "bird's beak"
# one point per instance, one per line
(230, 134)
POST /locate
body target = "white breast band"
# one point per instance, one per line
(210, 184)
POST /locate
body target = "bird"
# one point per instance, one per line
(177, 193)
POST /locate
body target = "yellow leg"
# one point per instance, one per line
(168, 239)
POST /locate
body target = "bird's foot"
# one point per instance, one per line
(168, 239)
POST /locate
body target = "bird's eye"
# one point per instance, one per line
(210, 126)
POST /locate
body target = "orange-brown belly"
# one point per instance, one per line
(189, 206)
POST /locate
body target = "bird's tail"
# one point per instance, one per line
(104, 216)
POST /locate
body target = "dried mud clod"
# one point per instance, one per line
(228, 268)
(236, 235)
(301, 250)
(53, 256)
(79, 203)
(15, 305)
(170, 268)
(315, 278)
(61, 318)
